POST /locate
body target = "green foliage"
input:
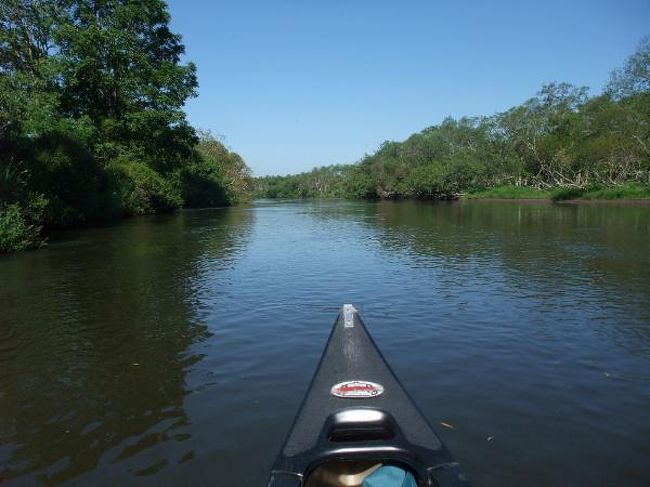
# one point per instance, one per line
(91, 118)
(67, 173)
(121, 69)
(451, 176)
(18, 227)
(14, 232)
(357, 183)
(21, 210)
(202, 184)
(322, 182)
(218, 166)
(141, 189)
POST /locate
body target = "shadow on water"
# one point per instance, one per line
(96, 336)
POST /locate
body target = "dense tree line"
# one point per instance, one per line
(561, 138)
(91, 119)
(327, 182)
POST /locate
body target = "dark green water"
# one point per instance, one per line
(173, 351)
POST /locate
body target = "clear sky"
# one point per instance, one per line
(294, 84)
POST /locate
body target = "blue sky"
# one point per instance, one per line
(294, 84)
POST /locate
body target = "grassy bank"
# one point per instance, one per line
(628, 191)
(510, 192)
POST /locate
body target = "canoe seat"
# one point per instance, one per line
(341, 474)
(360, 474)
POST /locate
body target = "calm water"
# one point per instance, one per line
(173, 351)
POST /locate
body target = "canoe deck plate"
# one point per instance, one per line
(357, 389)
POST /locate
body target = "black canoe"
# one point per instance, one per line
(356, 416)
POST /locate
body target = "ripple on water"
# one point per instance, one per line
(172, 350)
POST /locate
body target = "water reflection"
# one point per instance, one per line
(96, 339)
(565, 256)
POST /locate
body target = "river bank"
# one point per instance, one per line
(630, 193)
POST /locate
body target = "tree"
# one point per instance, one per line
(215, 176)
(122, 71)
(634, 77)
(28, 67)
(543, 130)
(91, 118)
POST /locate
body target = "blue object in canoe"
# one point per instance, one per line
(390, 476)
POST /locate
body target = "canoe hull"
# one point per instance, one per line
(356, 410)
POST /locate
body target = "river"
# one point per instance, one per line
(174, 350)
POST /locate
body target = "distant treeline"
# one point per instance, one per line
(92, 125)
(561, 138)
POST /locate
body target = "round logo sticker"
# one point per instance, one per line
(357, 389)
